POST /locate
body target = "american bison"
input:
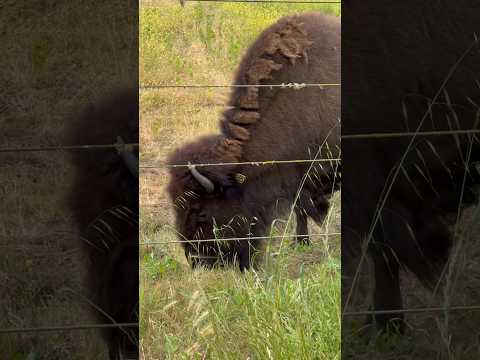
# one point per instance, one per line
(104, 202)
(263, 124)
(411, 66)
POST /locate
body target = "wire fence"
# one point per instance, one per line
(66, 328)
(291, 85)
(183, 2)
(64, 148)
(236, 239)
(347, 313)
(252, 163)
(411, 134)
(271, 162)
(255, 163)
(266, 1)
(415, 310)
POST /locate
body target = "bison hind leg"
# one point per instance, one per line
(387, 294)
(302, 237)
(244, 255)
(310, 205)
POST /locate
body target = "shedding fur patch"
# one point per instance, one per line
(229, 150)
(262, 70)
(249, 99)
(239, 132)
(288, 39)
(291, 42)
(245, 117)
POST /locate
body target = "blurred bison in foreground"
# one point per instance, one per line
(411, 67)
(262, 124)
(104, 201)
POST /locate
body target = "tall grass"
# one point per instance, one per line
(288, 310)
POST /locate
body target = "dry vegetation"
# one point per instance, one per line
(290, 309)
(52, 64)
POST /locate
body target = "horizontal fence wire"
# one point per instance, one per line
(347, 136)
(413, 134)
(65, 328)
(235, 239)
(291, 85)
(63, 148)
(254, 163)
(413, 310)
(202, 105)
(182, 2)
(269, 162)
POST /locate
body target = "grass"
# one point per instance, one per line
(224, 316)
(201, 41)
(290, 308)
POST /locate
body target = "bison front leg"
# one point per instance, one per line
(244, 257)
(302, 227)
(310, 205)
(248, 249)
(387, 294)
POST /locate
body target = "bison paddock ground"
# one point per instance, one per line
(291, 307)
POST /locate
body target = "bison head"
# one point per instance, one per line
(208, 200)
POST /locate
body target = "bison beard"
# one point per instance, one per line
(263, 124)
(394, 69)
(104, 201)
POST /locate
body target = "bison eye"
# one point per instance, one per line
(202, 216)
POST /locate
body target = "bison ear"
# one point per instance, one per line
(239, 178)
(232, 179)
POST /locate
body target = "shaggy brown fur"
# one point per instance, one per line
(104, 202)
(394, 69)
(267, 124)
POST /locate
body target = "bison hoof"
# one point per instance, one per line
(390, 325)
(244, 267)
(303, 240)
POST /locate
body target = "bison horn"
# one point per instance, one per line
(203, 180)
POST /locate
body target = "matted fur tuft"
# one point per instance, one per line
(277, 47)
